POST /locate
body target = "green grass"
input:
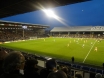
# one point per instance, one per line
(60, 50)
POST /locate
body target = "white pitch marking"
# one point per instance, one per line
(89, 51)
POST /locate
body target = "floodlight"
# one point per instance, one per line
(50, 13)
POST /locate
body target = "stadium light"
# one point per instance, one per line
(50, 13)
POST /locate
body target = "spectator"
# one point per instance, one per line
(13, 65)
(58, 74)
(98, 75)
(51, 66)
(78, 75)
(66, 71)
(31, 69)
(3, 54)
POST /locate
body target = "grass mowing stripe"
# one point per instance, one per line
(59, 49)
(89, 51)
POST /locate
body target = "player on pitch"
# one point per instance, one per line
(95, 49)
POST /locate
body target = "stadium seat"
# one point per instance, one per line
(85, 68)
(68, 64)
(103, 72)
(99, 71)
(64, 63)
(73, 66)
(78, 66)
(60, 62)
(93, 70)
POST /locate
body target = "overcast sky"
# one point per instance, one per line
(89, 13)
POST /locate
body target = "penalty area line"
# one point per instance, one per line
(89, 52)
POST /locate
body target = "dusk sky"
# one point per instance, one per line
(89, 13)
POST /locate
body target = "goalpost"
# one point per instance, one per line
(32, 38)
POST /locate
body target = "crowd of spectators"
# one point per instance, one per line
(79, 35)
(16, 64)
(12, 35)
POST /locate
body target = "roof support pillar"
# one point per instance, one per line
(68, 33)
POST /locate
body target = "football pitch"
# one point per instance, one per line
(83, 50)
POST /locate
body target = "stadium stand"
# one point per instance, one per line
(9, 28)
(79, 31)
(73, 67)
(7, 35)
(10, 7)
(78, 28)
(69, 29)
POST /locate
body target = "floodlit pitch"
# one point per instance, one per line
(89, 51)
